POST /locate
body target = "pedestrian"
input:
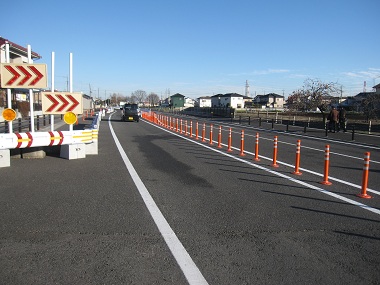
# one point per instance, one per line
(342, 120)
(333, 118)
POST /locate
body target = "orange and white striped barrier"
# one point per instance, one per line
(364, 194)
(275, 142)
(191, 129)
(176, 125)
(204, 132)
(257, 148)
(186, 132)
(196, 131)
(229, 149)
(210, 141)
(298, 158)
(181, 127)
(326, 168)
(242, 143)
(220, 137)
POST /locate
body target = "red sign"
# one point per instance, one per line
(61, 103)
(23, 75)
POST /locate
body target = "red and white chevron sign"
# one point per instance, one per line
(23, 75)
(61, 103)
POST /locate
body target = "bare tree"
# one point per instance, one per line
(138, 96)
(116, 98)
(371, 106)
(153, 99)
(314, 94)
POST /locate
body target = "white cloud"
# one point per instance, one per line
(371, 73)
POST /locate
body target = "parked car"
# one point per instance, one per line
(130, 112)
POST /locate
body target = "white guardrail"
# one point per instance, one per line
(74, 144)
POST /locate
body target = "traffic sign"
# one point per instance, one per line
(23, 75)
(61, 102)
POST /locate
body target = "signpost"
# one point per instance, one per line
(23, 75)
(61, 102)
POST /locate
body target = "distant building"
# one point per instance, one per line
(229, 100)
(189, 102)
(377, 88)
(177, 100)
(270, 100)
(204, 101)
(17, 53)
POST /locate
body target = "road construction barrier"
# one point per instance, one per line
(257, 148)
(242, 143)
(326, 168)
(220, 137)
(275, 142)
(298, 158)
(81, 142)
(196, 131)
(229, 147)
(204, 132)
(363, 193)
(210, 141)
(58, 139)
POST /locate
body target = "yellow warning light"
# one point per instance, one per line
(70, 118)
(9, 114)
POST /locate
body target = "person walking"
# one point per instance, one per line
(333, 119)
(342, 120)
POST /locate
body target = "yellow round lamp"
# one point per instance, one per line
(9, 114)
(70, 118)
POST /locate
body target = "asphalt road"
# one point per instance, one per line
(159, 207)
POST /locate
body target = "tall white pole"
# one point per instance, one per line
(71, 72)
(31, 95)
(9, 94)
(71, 81)
(52, 86)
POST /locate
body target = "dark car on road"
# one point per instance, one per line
(130, 112)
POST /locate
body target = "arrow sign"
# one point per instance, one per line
(61, 103)
(23, 75)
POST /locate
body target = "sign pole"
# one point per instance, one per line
(52, 87)
(31, 95)
(9, 94)
(71, 80)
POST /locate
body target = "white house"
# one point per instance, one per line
(204, 101)
(232, 100)
(189, 102)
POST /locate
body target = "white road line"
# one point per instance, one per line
(187, 265)
(337, 196)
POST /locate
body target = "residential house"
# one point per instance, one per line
(177, 100)
(204, 101)
(270, 100)
(189, 102)
(229, 100)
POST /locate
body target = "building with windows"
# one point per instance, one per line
(229, 100)
(270, 100)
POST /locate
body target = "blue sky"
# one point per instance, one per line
(202, 47)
